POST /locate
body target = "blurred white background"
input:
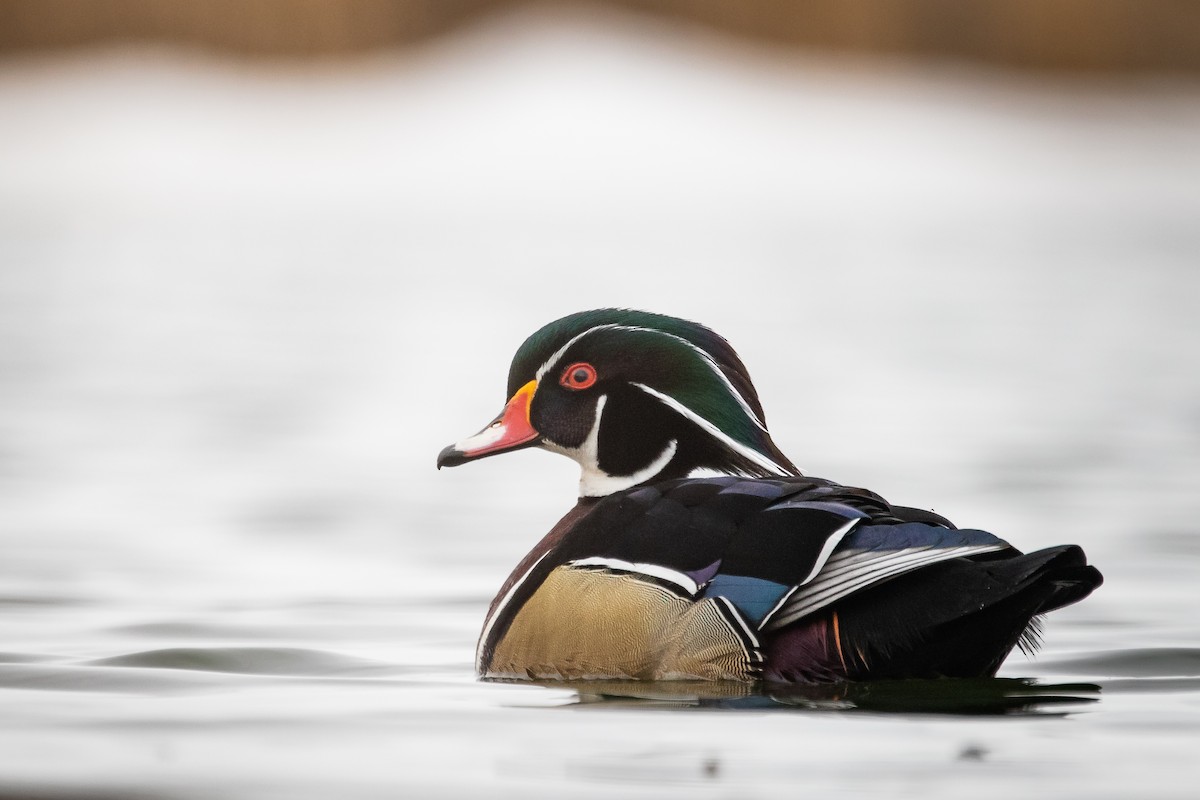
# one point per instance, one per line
(261, 296)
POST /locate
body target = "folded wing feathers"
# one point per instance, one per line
(823, 543)
(850, 571)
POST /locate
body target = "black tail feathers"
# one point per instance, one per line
(1068, 575)
(960, 618)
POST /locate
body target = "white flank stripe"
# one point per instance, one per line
(491, 620)
(750, 635)
(653, 570)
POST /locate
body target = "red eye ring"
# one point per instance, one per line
(578, 376)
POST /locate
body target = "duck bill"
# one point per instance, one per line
(511, 430)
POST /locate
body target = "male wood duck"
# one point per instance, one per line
(758, 572)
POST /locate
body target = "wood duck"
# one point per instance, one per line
(755, 572)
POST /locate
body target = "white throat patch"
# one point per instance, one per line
(595, 482)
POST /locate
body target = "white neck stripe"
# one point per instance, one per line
(743, 450)
(599, 483)
(595, 482)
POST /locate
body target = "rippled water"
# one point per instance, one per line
(242, 307)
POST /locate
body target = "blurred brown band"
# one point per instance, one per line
(1083, 35)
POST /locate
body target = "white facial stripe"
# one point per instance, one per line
(552, 360)
(708, 359)
(743, 450)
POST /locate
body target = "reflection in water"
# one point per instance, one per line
(1140, 662)
(964, 696)
(247, 660)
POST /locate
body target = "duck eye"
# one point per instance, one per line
(578, 376)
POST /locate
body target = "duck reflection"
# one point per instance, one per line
(955, 696)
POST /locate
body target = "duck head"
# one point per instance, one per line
(632, 397)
